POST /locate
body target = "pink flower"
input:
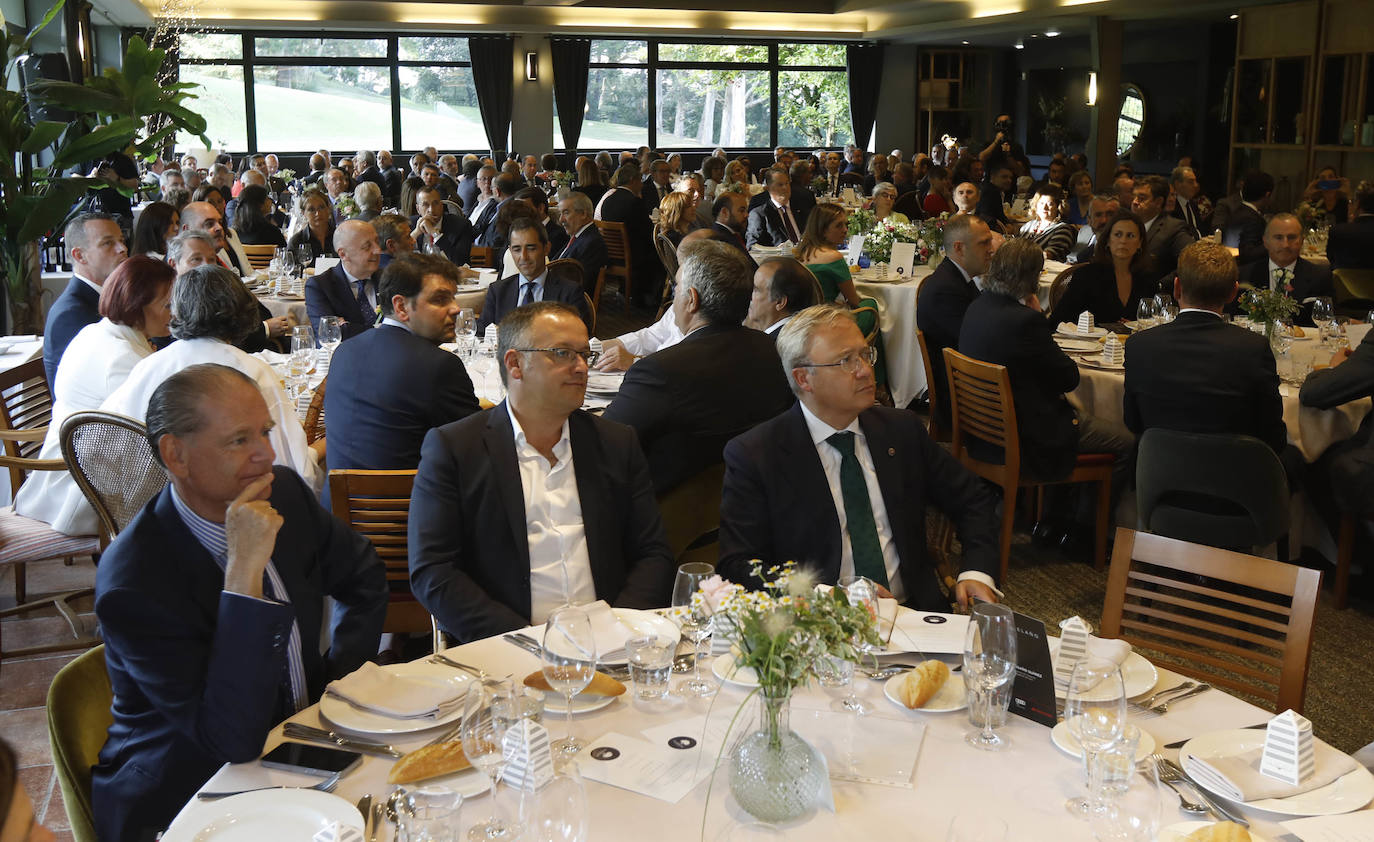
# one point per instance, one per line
(714, 589)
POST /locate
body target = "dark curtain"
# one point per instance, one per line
(491, 76)
(570, 59)
(865, 65)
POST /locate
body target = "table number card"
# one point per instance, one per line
(903, 259)
(856, 248)
(848, 197)
(1032, 693)
(324, 264)
(528, 756)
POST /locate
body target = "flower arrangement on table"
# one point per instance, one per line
(1269, 307)
(348, 208)
(927, 234)
(287, 175)
(563, 179)
(820, 185)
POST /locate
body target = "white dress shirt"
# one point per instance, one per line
(481, 206)
(537, 293)
(657, 336)
(560, 567)
(786, 214)
(778, 325)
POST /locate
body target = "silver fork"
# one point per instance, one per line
(440, 658)
(326, 785)
(1163, 708)
(1166, 775)
(1174, 774)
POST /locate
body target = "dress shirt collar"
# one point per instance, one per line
(347, 274)
(779, 205)
(212, 536)
(538, 282)
(820, 431)
(1151, 222)
(525, 450)
(967, 278)
(777, 326)
(583, 228)
(1251, 206)
(1272, 266)
(92, 284)
(388, 320)
(1199, 310)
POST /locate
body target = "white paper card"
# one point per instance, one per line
(640, 766)
(856, 248)
(927, 633)
(1349, 827)
(903, 259)
(847, 195)
(324, 264)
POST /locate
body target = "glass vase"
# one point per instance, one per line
(775, 775)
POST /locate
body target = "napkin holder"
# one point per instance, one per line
(529, 759)
(1073, 647)
(1113, 351)
(1289, 750)
(1086, 322)
(337, 832)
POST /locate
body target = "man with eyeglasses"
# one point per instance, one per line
(840, 485)
(529, 248)
(534, 503)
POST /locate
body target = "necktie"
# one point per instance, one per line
(858, 512)
(273, 588)
(362, 296)
(791, 226)
(527, 293)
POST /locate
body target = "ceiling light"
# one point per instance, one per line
(1051, 33)
(965, 43)
(1020, 45)
(1233, 17)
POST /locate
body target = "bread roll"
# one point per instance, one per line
(430, 762)
(1220, 832)
(602, 684)
(918, 686)
(1298, 333)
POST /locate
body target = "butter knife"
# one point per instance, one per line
(525, 643)
(298, 731)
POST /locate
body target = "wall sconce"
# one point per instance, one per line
(1092, 87)
(531, 66)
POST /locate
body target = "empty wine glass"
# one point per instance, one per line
(558, 812)
(989, 663)
(569, 656)
(482, 735)
(1323, 313)
(1131, 815)
(1095, 713)
(696, 621)
(1146, 313)
(288, 262)
(304, 255)
(331, 333)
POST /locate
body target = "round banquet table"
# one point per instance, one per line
(470, 294)
(1026, 784)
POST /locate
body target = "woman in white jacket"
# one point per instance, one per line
(135, 305)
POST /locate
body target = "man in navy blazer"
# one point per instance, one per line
(96, 245)
(349, 288)
(450, 233)
(944, 297)
(211, 610)
(529, 245)
(1243, 228)
(784, 499)
(378, 417)
(1285, 269)
(534, 503)
(585, 244)
(767, 225)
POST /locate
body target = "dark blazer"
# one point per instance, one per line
(1244, 230)
(1351, 244)
(197, 682)
(484, 229)
(803, 201)
(409, 188)
(392, 178)
(687, 400)
(589, 249)
(455, 241)
(1164, 240)
(1199, 374)
(648, 194)
(1222, 210)
(468, 192)
(1000, 330)
(330, 294)
(1308, 280)
(940, 306)
(373, 175)
(504, 296)
(1351, 462)
(76, 307)
(378, 416)
(621, 205)
(558, 238)
(593, 191)
(776, 504)
(766, 227)
(1203, 226)
(1092, 287)
(990, 210)
(262, 235)
(469, 543)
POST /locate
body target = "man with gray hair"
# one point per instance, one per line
(1186, 191)
(585, 245)
(365, 170)
(841, 485)
(688, 399)
(534, 504)
(96, 245)
(198, 248)
(393, 237)
(212, 312)
(944, 298)
(349, 288)
(782, 287)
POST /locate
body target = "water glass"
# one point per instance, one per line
(838, 674)
(980, 706)
(1095, 712)
(331, 333)
(520, 703)
(428, 814)
(651, 663)
(1146, 313)
(1116, 763)
(482, 735)
(304, 255)
(1323, 312)
(989, 663)
(1131, 815)
(558, 812)
(302, 339)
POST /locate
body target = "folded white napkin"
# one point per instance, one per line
(1238, 776)
(1108, 649)
(398, 696)
(609, 632)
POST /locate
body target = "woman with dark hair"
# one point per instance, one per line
(589, 180)
(827, 227)
(1113, 282)
(1054, 238)
(318, 232)
(134, 305)
(1080, 198)
(250, 218)
(713, 171)
(158, 223)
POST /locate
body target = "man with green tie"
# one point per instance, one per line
(840, 485)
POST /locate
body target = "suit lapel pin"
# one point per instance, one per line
(892, 451)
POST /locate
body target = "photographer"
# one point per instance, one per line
(1001, 141)
(117, 170)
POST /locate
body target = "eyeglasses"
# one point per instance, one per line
(851, 362)
(564, 356)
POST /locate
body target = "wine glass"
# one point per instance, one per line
(1323, 314)
(696, 620)
(569, 656)
(304, 255)
(860, 591)
(558, 812)
(1132, 815)
(1146, 313)
(1165, 307)
(331, 333)
(1095, 712)
(989, 663)
(288, 262)
(482, 735)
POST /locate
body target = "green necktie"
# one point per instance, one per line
(858, 512)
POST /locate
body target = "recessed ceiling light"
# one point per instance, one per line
(1051, 33)
(1233, 17)
(1020, 45)
(965, 43)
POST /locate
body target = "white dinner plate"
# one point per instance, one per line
(1101, 362)
(581, 703)
(267, 814)
(1179, 832)
(641, 624)
(348, 718)
(604, 382)
(1138, 674)
(1346, 794)
(1077, 346)
(725, 669)
(1065, 741)
(1070, 329)
(950, 697)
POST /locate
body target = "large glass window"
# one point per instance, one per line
(438, 98)
(713, 108)
(220, 100)
(617, 112)
(306, 107)
(813, 108)
(321, 47)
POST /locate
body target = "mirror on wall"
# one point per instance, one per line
(1130, 120)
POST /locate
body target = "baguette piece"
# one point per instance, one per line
(1220, 832)
(1298, 332)
(602, 684)
(919, 685)
(430, 762)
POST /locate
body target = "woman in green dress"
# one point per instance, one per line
(827, 227)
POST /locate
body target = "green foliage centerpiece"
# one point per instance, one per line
(927, 234)
(1270, 307)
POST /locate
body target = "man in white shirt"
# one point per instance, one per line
(534, 503)
(840, 485)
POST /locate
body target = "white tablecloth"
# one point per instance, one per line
(470, 294)
(1025, 785)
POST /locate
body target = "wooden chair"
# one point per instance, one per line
(314, 415)
(1345, 550)
(377, 505)
(260, 257)
(691, 515)
(619, 264)
(79, 705)
(1353, 289)
(597, 288)
(113, 464)
(909, 203)
(25, 410)
(480, 257)
(981, 407)
(1230, 619)
(1060, 284)
(933, 427)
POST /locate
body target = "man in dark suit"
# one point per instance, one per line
(447, 233)
(1186, 190)
(1165, 236)
(504, 188)
(1101, 210)
(377, 416)
(732, 213)
(1244, 226)
(537, 199)
(529, 245)
(1283, 268)
(467, 185)
(585, 244)
(318, 165)
(1350, 245)
(657, 184)
(95, 244)
(534, 503)
(623, 204)
(1342, 480)
(349, 288)
(393, 238)
(803, 200)
(944, 297)
(994, 193)
(773, 222)
(688, 399)
(238, 558)
(1237, 391)
(392, 178)
(783, 287)
(365, 169)
(840, 485)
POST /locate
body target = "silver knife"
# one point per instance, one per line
(297, 731)
(365, 807)
(524, 643)
(1156, 698)
(1201, 688)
